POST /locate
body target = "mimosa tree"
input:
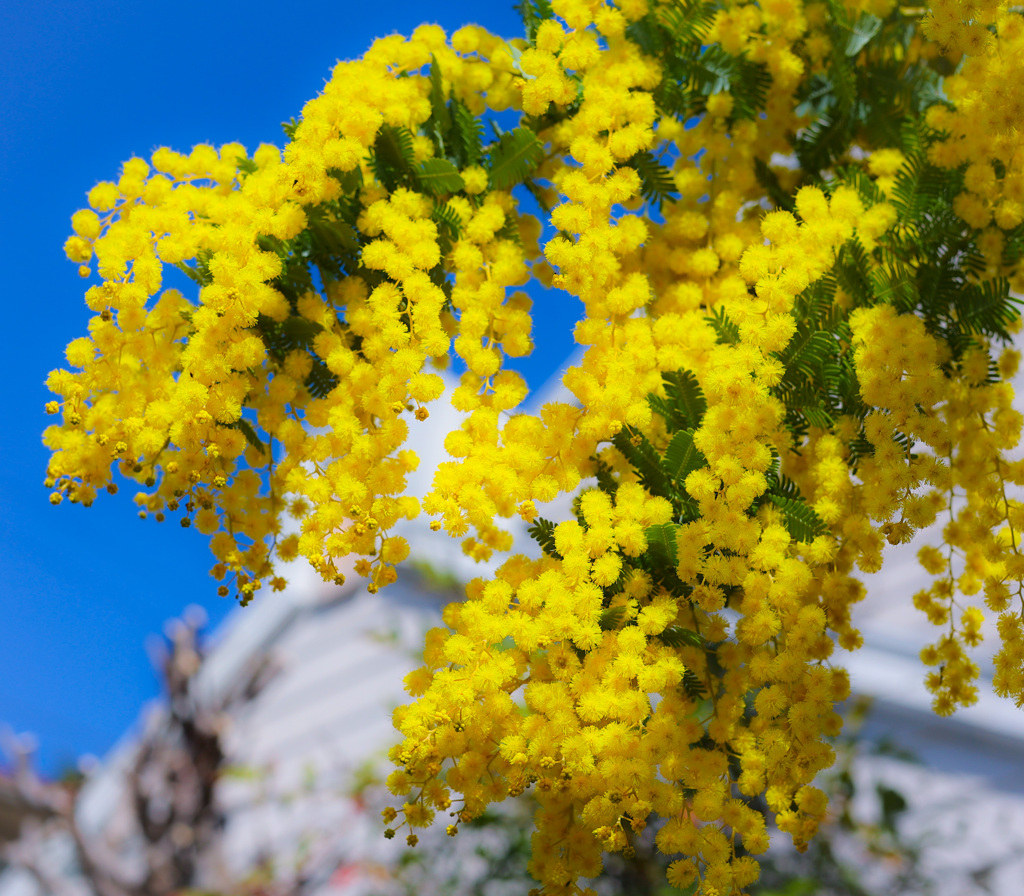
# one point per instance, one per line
(793, 229)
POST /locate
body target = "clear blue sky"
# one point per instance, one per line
(83, 87)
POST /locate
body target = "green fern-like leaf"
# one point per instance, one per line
(682, 457)
(987, 309)
(611, 618)
(646, 460)
(514, 157)
(438, 176)
(866, 27)
(801, 521)
(686, 397)
(467, 133)
(199, 270)
(769, 181)
(246, 429)
(448, 218)
(661, 545)
(606, 480)
(728, 332)
(392, 158)
(293, 333)
(543, 532)
(321, 381)
(782, 486)
(677, 636)
(439, 125)
(656, 182)
(693, 687)
(688, 21)
(806, 353)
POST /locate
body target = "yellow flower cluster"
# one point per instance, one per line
(669, 659)
(982, 132)
(963, 27)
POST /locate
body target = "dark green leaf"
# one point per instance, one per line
(245, 428)
(801, 521)
(514, 157)
(611, 618)
(681, 457)
(727, 331)
(468, 133)
(438, 176)
(656, 181)
(392, 156)
(661, 544)
(676, 636)
(543, 532)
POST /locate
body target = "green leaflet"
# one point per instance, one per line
(686, 396)
(245, 428)
(801, 521)
(438, 176)
(448, 218)
(391, 159)
(683, 406)
(769, 180)
(439, 125)
(656, 180)
(646, 460)
(611, 618)
(677, 636)
(199, 271)
(693, 687)
(681, 457)
(513, 158)
(866, 27)
(661, 557)
(468, 135)
(543, 532)
(728, 332)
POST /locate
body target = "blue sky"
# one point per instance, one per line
(83, 87)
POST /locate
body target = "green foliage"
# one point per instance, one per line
(297, 333)
(513, 158)
(677, 636)
(448, 220)
(468, 133)
(769, 182)
(245, 428)
(727, 331)
(660, 559)
(693, 687)
(392, 159)
(437, 176)
(682, 458)
(656, 183)
(801, 521)
(543, 532)
(683, 406)
(646, 460)
(199, 271)
(440, 124)
(611, 618)
(693, 70)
